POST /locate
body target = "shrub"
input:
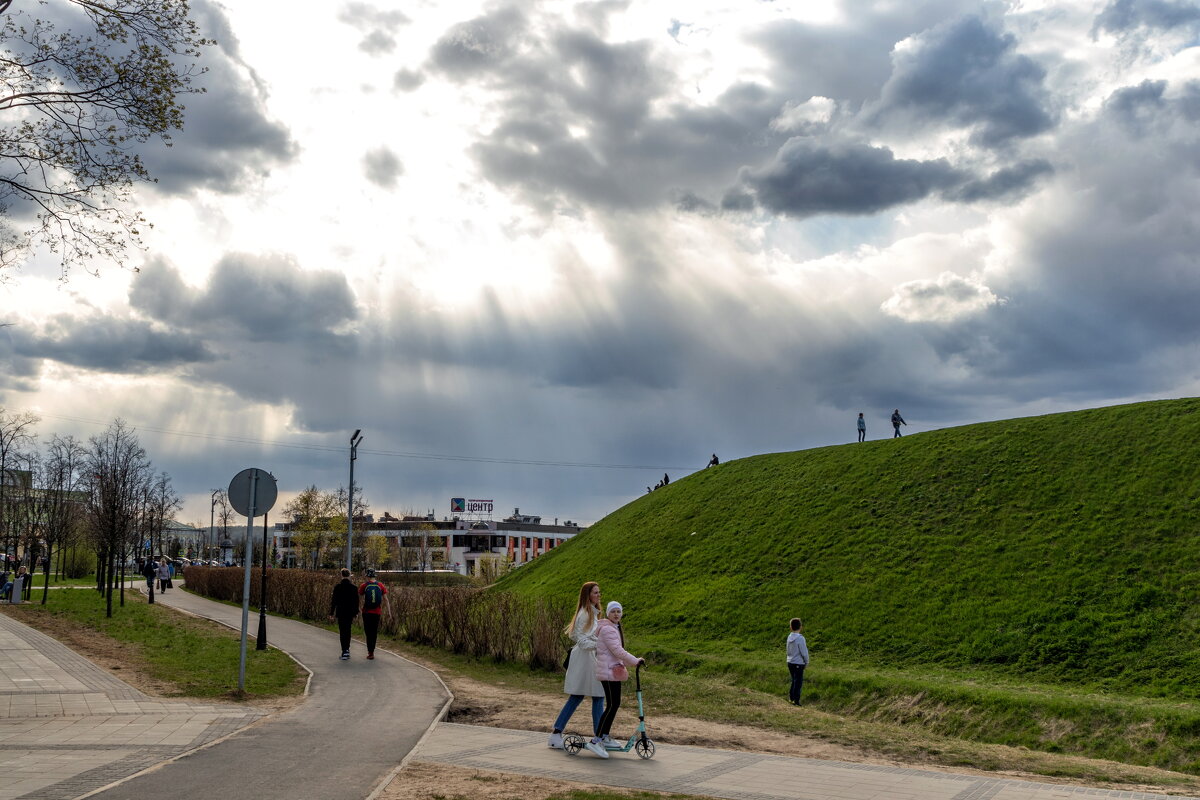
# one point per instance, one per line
(465, 620)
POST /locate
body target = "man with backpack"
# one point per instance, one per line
(344, 605)
(374, 595)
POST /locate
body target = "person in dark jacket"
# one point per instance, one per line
(344, 606)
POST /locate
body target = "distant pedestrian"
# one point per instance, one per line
(343, 605)
(897, 421)
(149, 572)
(374, 595)
(666, 479)
(581, 680)
(862, 428)
(164, 575)
(612, 666)
(714, 461)
(797, 660)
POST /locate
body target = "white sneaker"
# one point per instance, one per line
(610, 743)
(555, 741)
(597, 748)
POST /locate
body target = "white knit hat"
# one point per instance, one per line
(611, 605)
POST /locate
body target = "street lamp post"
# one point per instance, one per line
(354, 440)
(212, 520)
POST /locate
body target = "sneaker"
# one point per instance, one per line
(556, 741)
(610, 743)
(597, 748)
(345, 655)
(370, 656)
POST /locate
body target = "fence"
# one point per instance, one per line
(463, 620)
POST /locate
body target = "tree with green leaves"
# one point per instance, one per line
(318, 523)
(61, 499)
(117, 472)
(85, 84)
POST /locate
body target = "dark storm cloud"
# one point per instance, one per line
(382, 167)
(110, 344)
(968, 73)
(1004, 183)
(1123, 15)
(264, 298)
(1146, 109)
(479, 45)
(228, 139)
(850, 61)
(807, 179)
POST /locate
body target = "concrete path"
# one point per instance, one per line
(68, 727)
(361, 720)
(727, 773)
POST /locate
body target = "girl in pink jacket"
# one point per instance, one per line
(612, 666)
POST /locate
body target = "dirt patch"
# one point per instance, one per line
(502, 706)
(424, 781)
(125, 662)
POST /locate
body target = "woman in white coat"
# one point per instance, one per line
(581, 678)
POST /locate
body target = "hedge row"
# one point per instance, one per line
(469, 621)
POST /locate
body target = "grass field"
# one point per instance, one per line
(1027, 582)
(195, 658)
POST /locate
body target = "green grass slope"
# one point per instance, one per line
(1059, 549)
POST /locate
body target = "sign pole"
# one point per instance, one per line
(246, 579)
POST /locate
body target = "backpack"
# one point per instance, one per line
(372, 596)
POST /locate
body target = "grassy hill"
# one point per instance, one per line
(1060, 549)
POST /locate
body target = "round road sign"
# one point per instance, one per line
(265, 495)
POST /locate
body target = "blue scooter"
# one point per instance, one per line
(639, 743)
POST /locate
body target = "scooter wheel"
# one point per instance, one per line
(573, 743)
(644, 748)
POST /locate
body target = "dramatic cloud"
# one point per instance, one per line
(807, 179)
(1122, 15)
(110, 344)
(967, 73)
(945, 299)
(377, 26)
(382, 167)
(228, 138)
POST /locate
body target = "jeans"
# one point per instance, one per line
(344, 624)
(371, 629)
(797, 671)
(612, 703)
(569, 707)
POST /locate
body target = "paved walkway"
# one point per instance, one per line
(69, 729)
(726, 773)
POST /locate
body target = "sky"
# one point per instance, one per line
(543, 252)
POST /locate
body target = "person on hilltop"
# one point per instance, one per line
(897, 421)
(343, 606)
(581, 680)
(666, 479)
(714, 461)
(797, 660)
(612, 663)
(374, 595)
(862, 428)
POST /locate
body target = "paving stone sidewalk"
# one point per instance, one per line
(730, 774)
(68, 727)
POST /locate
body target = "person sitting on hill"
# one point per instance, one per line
(714, 461)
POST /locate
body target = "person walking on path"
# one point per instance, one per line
(897, 421)
(797, 660)
(374, 595)
(862, 428)
(581, 680)
(612, 667)
(344, 606)
(164, 575)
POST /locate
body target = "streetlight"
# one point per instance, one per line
(212, 520)
(354, 440)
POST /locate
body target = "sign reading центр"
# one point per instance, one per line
(460, 505)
